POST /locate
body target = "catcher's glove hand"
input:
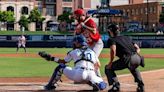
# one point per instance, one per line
(45, 55)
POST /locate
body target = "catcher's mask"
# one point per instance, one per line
(79, 39)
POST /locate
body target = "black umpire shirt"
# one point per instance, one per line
(124, 45)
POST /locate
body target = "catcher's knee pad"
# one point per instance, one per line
(59, 68)
(102, 85)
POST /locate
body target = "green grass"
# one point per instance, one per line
(25, 67)
(152, 51)
(65, 50)
(150, 64)
(139, 33)
(143, 50)
(34, 67)
(35, 50)
(33, 33)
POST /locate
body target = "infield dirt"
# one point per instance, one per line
(154, 80)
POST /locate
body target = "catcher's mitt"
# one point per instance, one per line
(45, 55)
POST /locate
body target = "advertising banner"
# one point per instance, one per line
(3, 38)
(144, 41)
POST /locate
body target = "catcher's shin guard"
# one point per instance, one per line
(57, 74)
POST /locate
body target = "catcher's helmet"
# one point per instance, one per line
(80, 39)
(79, 12)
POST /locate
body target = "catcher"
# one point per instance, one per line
(85, 62)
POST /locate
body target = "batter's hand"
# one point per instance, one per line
(45, 55)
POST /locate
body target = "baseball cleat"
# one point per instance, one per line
(115, 88)
(48, 87)
(95, 88)
(140, 89)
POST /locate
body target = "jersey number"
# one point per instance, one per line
(88, 56)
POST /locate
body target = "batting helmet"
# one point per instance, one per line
(80, 39)
(79, 12)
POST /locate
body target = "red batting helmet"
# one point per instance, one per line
(79, 12)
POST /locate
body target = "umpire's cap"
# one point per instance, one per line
(80, 39)
(113, 28)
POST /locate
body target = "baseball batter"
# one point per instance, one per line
(87, 27)
(21, 42)
(85, 62)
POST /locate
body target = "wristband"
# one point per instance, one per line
(83, 25)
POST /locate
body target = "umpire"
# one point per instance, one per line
(128, 53)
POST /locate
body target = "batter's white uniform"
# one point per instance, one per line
(98, 47)
(84, 70)
(21, 41)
